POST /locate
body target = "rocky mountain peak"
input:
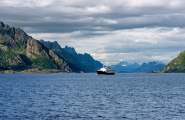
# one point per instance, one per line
(19, 51)
(12, 37)
(2, 24)
(52, 45)
(123, 63)
(70, 50)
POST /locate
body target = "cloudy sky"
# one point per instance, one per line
(110, 30)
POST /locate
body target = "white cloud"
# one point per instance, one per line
(139, 45)
(133, 45)
(114, 58)
(98, 9)
(149, 3)
(24, 3)
(145, 41)
(108, 21)
(110, 30)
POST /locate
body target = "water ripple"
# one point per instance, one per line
(92, 97)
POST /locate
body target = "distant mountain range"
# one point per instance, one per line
(19, 51)
(125, 67)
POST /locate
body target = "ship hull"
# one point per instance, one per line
(104, 73)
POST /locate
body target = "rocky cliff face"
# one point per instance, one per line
(177, 65)
(34, 49)
(85, 59)
(12, 37)
(9, 58)
(70, 56)
(20, 51)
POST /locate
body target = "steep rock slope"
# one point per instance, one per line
(177, 65)
(19, 51)
(71, 60)
(85, 59)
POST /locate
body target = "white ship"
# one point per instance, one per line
(105, 71)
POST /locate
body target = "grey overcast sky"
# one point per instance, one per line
(110, 30)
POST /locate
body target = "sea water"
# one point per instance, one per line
(92, 97)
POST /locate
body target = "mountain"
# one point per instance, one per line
(125, 67)
(85, 59)
(19, 51)
(177, 65)
(151, 66)
(72, 58)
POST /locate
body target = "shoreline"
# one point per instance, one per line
(32, 71)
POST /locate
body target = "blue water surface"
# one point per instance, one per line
(92, 97)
